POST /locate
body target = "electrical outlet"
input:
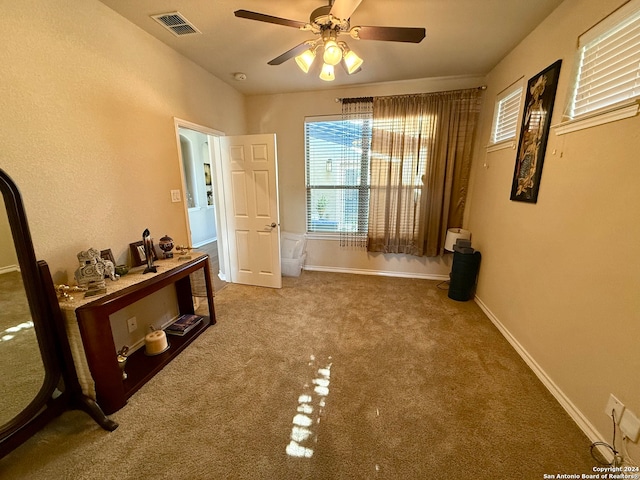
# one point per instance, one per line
(614, 406)
(175, 196)
(132, 324)
(630, 425)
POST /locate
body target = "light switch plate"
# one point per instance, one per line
(614, 406)
(175, 196)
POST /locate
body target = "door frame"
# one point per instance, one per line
(219, 198)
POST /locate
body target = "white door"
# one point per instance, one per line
(249, 169)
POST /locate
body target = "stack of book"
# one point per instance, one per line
(184, 324)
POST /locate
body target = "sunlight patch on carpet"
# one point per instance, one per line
(311, 403)
(11, 330)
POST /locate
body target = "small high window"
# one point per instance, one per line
(505, 116)
(609, 63)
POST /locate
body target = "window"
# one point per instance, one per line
(609, 63)
(337, 170)
(505, 116)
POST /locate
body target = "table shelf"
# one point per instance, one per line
(140, 368)
(112, 391)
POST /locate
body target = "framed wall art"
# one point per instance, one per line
(534, 132)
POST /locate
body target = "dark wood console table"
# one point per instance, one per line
(92, 316)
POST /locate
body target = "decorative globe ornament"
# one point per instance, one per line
(166, 245)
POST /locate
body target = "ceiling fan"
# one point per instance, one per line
(328, 23)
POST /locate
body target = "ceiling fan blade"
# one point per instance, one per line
(343, 9)
(294, 52)
(261, 17)
(391, 34)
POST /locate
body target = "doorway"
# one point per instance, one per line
(232, 180)
(198, 152)
(198, 186)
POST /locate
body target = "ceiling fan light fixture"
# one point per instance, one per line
(327, 74)
(352, 61)
(305, 60)
(327, 23)
(332, 52)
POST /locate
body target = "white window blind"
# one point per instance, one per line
(505, 118)
(337, 174)
(609, 65)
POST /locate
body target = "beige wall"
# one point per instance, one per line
(87, 102)
(284, 115)
(563, 275)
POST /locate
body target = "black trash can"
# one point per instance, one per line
(464, 273)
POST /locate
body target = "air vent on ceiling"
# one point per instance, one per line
(175, 23)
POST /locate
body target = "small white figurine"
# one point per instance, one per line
(92, 271)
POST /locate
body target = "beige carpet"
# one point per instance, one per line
(212, 250)
(331, 377)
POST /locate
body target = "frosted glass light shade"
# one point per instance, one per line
(327, 74)
(305, 59)
(332, 53)
(352, 61)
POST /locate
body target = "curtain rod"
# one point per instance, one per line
(340, 99)
(354, 99)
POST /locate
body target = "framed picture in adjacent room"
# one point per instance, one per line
(207, 174)
(534, 132)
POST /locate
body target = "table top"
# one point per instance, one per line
(134, 276)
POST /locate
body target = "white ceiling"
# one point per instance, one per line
(464, 37)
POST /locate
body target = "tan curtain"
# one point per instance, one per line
(421, 149)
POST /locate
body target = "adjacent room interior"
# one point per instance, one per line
(359, 364)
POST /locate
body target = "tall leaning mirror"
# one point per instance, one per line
(30, 368)
(21, 367)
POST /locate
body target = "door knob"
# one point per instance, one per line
(272, 226)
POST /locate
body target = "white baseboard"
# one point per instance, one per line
(583, 423)
(204, 242)
(9, 269)
(380, 273)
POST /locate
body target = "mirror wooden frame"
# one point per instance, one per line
(60, 389)
(40, 409)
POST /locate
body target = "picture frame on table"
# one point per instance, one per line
(138, 256)
(107, 255)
